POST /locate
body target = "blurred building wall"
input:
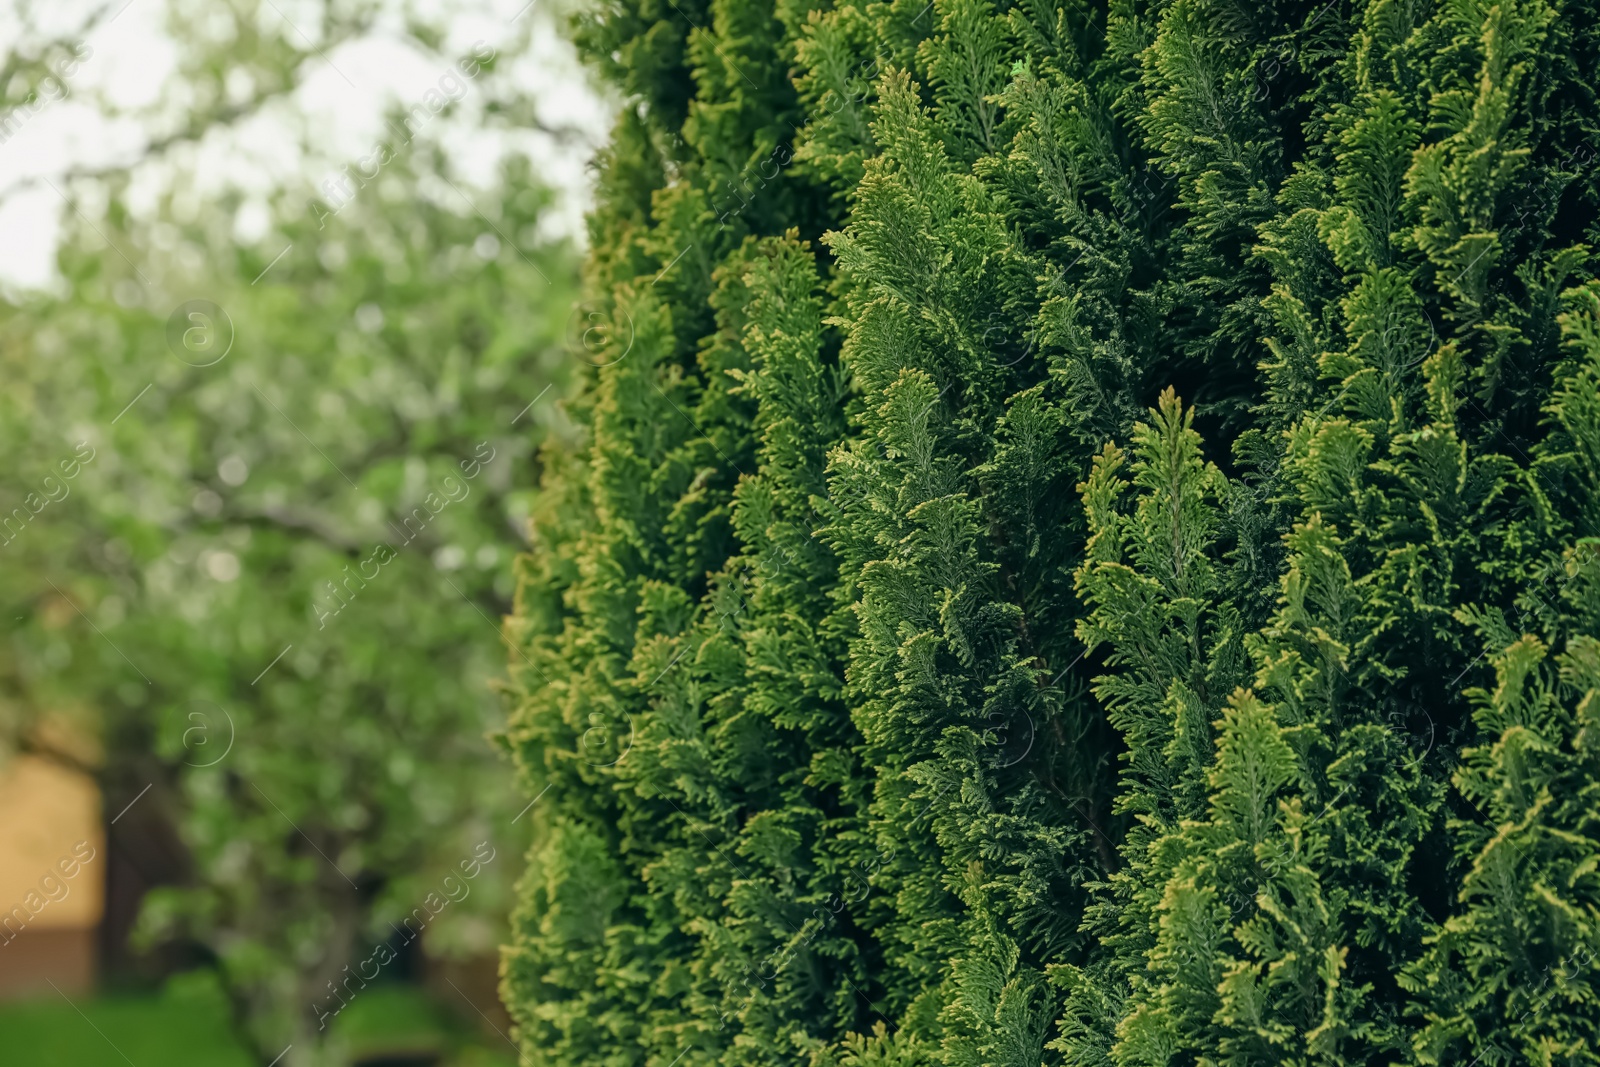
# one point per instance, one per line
(52, 877)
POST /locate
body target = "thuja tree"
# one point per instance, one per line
(1120, 593)
(678, 640)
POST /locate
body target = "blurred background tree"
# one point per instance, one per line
(260, 440)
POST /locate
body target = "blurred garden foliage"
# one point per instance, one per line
(261, 499)
(1083, 547)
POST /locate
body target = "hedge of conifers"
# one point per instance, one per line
(1082, 546)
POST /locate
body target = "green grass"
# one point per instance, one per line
(186, 1025)
(400, 1018)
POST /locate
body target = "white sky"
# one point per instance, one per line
(340, 105)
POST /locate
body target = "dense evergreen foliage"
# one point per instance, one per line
(1083, 551)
